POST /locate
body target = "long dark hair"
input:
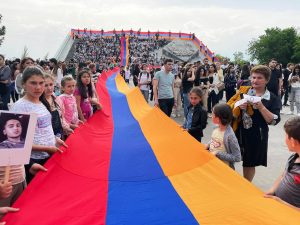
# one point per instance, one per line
(55, 68)
(215, 68)
(294, 70)
(82, 89)
(245, 72)
(23, 61)
(198, 72)
(13, 69)
(46, 103)
(187, 68)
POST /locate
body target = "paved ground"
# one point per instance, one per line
(277, 152)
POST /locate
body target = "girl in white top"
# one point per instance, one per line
(214, 80)
(294, 80)
(44, 141)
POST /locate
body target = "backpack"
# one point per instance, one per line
(139, 77)
(148, 74)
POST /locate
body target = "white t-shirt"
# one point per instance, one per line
(59, 76)
(127, 74)
(43, 134)
(294, 84)
(144, 78)
(224, 67)
(217, 141)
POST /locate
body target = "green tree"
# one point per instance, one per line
(275, 43)
(221, 58)
(296, 56)
(2, 31)
(238, 58)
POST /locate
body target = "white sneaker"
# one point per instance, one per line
(290, 113)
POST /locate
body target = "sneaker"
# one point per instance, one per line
(178, 115)
(298, 114)
(290, 113)
(173, 115)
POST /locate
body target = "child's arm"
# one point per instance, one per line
(281, 201)
(35, 168)
(235, 155)
(272, 190)
(78, 99)
(66, 127)
(201, 123)
(50, 149)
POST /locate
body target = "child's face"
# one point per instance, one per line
(69, 87)
(49, 87)
(86, 78)
(194, 99)
(12, 129)
(290, 142)
(34, 87)
(27, 63)
(215, 119)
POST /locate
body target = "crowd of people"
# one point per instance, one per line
(253, 99)
(98, 49)
(64, 101)
(103, 50)
(61, 104)
(143, 50)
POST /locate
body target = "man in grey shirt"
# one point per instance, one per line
(286, 189)
(163, 88)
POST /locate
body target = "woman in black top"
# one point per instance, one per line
(201, 80)
(213, 79)
(253, 137)
(230, 83)
(187, 84)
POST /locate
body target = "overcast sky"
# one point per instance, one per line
(224, 26)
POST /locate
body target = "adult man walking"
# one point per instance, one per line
(163, 88)
(275, 82)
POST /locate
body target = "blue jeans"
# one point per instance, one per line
(186, 103)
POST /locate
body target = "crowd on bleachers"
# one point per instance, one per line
(105, 50)
(144, 50)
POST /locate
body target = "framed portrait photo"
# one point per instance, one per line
(16, 137)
